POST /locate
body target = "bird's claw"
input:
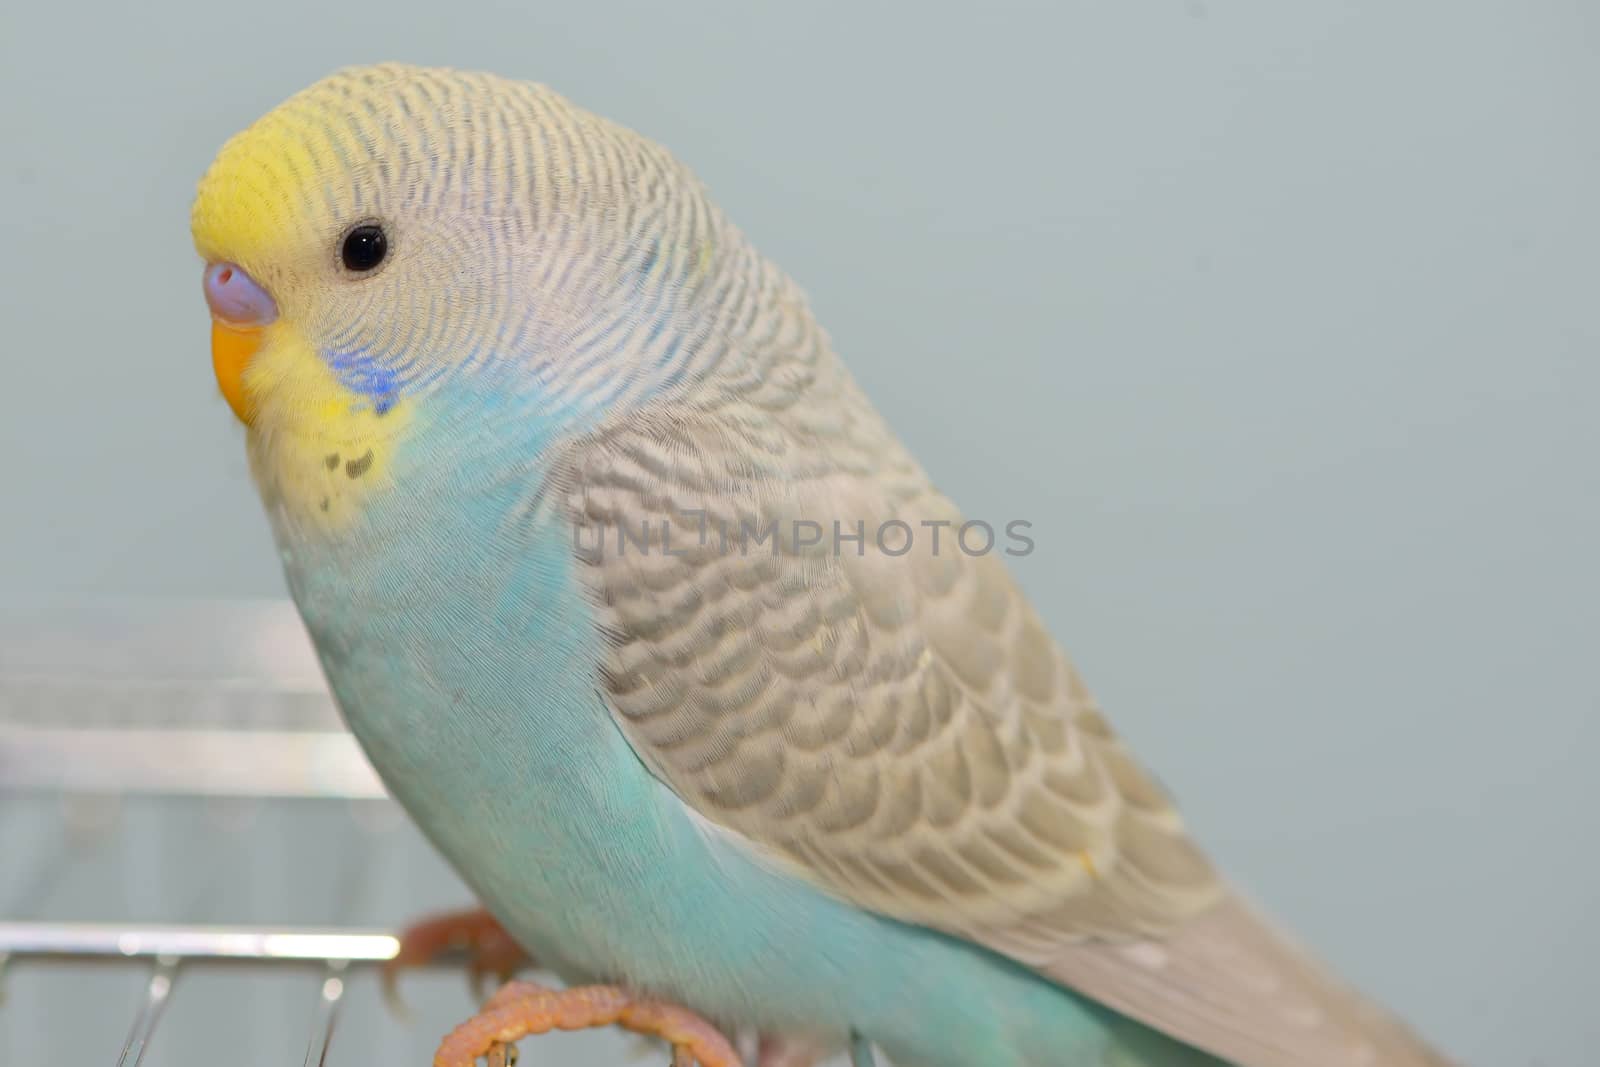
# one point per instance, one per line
(501, 1055)
(490, 951)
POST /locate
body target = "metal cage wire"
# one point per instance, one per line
(208, 714)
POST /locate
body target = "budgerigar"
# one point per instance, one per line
(644, 615)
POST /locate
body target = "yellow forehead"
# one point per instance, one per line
(258, 195)
(289, 177)
(371, 140)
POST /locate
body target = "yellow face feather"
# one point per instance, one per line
(325, 451)
(270, 203)
(254, 192)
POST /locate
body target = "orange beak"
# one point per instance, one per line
(232, 348)
(240, 309)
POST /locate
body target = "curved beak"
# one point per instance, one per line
(240, 312)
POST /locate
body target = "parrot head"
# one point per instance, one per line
(394, 240)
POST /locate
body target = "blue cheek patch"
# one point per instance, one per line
(361, 372)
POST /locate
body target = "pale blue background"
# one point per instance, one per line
(1279, 320)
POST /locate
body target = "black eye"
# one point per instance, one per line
(364, 247)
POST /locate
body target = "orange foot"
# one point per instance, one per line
(490, 951)
(523, 1008)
